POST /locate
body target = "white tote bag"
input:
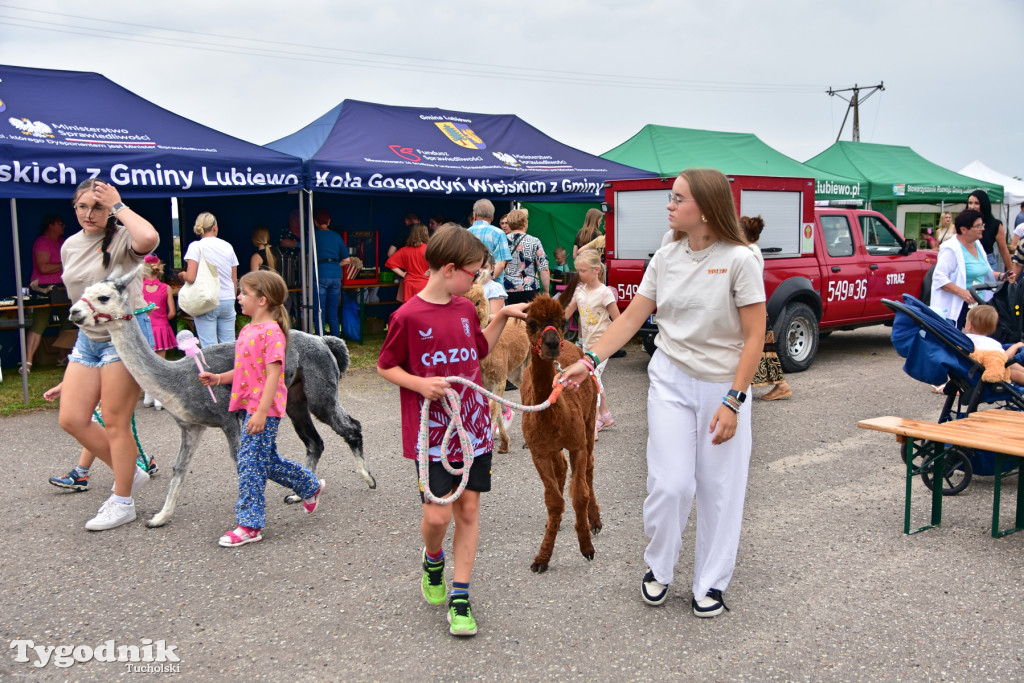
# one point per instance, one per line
(202, 295)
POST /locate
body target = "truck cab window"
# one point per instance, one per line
(879, 238)
(838, 236)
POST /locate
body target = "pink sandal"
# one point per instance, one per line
(605, 420)
(240, 536)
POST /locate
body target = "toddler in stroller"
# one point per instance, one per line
(981, 324)
(937, 352)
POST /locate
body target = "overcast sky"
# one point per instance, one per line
(589, 73)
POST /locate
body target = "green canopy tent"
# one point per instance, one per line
(899, 174)
(555, 224)
(900, 177)
(666, 151)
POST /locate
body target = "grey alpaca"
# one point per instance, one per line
(313, 367)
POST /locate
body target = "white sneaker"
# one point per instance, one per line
(112, 514)
(140, 477)
(147, 400)
(157, 405)
(653, 592)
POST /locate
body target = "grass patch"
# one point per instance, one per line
(365, 355)
(42, 378)
(39, 380)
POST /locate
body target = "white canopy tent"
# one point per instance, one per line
(1013, 189)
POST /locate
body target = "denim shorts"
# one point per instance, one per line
(94, 354)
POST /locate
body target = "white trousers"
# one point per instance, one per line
(681, 462)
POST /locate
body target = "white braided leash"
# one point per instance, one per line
(452, 405)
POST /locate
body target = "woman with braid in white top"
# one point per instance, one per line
(707, 288)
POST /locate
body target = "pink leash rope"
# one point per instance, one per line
(452, 405)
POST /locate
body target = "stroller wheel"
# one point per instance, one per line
(958, 475)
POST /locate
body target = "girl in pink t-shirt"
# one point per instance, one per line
(258, 388)
(154, 291)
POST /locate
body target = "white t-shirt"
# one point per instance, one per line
(757, 253)
(983, 343)
(219, 253)
(493, 290)
(698, 306)
(592, 305)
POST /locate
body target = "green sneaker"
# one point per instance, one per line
(461, 617)
(432, 584)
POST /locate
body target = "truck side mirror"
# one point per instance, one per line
(909, 247)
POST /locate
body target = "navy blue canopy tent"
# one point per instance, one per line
(366, 148)
(58, 128)
(371, 164)
(63, 127)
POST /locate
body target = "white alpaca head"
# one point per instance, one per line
(104, 301)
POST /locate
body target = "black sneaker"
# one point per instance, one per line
(711, 605)
(72, 481)
(653, 593)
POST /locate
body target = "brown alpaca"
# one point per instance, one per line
(506, 360)
(568, 425)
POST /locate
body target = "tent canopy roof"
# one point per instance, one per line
(367, 148)
(667, 150)
(898, 173)
(63, 127)
(1013, 189)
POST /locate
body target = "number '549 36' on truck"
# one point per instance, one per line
(826, 267)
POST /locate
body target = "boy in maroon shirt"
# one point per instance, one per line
(434, 335)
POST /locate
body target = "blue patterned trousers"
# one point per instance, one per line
(258, 460)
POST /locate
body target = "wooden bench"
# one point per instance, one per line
(998, 431)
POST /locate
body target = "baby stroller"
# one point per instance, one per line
(938, 353)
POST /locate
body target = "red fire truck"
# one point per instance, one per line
(826, 268)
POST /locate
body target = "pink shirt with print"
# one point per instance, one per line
(257, 346)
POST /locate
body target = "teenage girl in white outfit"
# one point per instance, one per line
(707, 288)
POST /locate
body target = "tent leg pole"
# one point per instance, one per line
(21, 302)
(303, 282)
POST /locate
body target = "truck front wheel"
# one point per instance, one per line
(796, 337)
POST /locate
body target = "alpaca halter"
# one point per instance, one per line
(452, 405)
(540, 339)
(96, 316)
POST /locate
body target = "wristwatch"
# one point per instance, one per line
(117, 207)
(738, 395)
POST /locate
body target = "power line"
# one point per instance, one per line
(376, 60)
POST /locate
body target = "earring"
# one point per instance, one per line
(703, 219)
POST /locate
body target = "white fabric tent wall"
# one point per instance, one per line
(1013, 189)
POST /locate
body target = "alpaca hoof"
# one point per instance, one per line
(156, 521)
(539, 567)
(368, 478)
(291, 499)
(595, 530)
(503, 449)
(589, 556)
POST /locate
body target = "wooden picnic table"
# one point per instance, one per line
(998, 431)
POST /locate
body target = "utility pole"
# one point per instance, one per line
(854, 104)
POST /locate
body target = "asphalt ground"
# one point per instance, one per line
(827, 586)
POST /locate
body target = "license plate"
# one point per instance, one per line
(651, 320)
